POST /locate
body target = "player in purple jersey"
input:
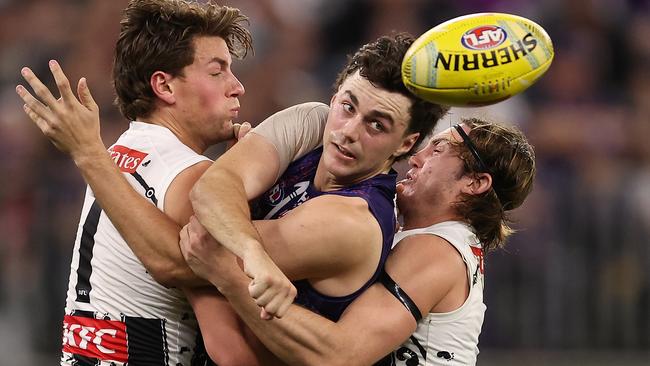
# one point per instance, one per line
(428, 307)
(378, 192)
(371, 123)
(336, 236)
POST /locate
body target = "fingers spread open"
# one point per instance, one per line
(62, 82)
(39, 88)
(40, 122)
(84, 95)
(38, 112)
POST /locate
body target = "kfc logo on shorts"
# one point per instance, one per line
(128, 160)
(95, 338)
(276, 194)
(484, 37)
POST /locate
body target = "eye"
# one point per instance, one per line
(377, 126)
(347, 107)
(438, 147)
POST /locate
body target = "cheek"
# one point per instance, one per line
(334, 123)
(380, 146)
(207, 94)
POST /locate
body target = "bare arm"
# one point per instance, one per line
(220, 200)
(221, 328)
(73, 127)
(221, 196)
(304, 246)
(372, 326)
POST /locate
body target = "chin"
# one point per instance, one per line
(404, 194)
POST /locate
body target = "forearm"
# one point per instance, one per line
(301, 337)
(223, 336)
(220, 203)
(154, 239)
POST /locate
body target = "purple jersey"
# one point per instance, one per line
(296, 186)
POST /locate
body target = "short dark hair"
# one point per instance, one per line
(510, 160)
(158, 35)
(380, 62)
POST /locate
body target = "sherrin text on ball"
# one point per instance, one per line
(477, 59)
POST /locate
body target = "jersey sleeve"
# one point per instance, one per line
(294, 131)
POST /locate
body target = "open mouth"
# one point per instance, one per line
(343, 151)
(407, 179)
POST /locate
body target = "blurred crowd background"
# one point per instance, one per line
(573, 286)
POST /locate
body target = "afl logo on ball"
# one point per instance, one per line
(484, 37)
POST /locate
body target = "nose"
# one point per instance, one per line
(237, 89)
(350, 130)
(416, 160)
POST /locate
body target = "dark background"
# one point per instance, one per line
(573, 286)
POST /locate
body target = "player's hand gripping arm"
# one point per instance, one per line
(244, 172)
(73, 127)
(220, 200)
(304, 246)
(372, 326)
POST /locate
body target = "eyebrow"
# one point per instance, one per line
(436, 141)
(223, 63)
(472, 149)
(373, 113)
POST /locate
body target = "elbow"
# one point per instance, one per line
(169, 275)
(164, 279)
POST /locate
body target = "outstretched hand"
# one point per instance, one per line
(71, 124)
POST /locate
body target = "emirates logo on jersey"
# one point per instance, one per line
(127, 159)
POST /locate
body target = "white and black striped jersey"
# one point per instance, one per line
(116, 313)
(445, 338)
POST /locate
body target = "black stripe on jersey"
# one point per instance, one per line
(400, 294)
(147, 341)
(149, 192)
(80, 360)
(85, 269)
(200, 356)
(83, 314)
(417, 344)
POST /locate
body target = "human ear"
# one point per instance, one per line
(408, 142)
(478, 183)
(162, 87)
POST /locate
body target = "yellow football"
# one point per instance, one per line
(477, 59)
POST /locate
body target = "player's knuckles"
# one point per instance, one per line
(260, 302)
(264, 279)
